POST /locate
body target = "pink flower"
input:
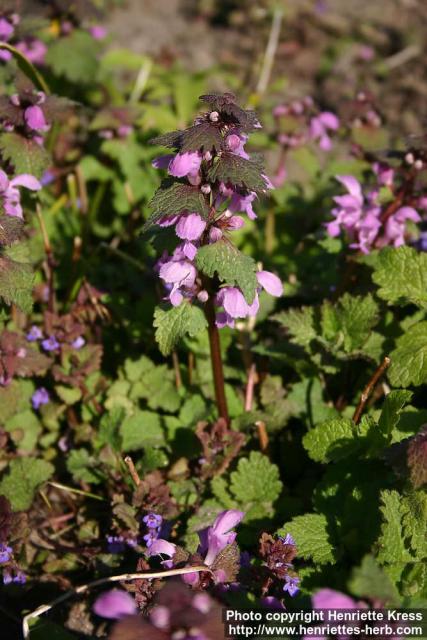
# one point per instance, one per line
(33, 49)
(241, 203)
(190, 227)
(180, 274)
(98, 32)
(6, 29)
(115, 604)
(184, 164)
(395, 226)
(161, 547)
(11, 196)
(35, 120)
(234, 303)
(319, 127)
(215, 538)
(270, 282)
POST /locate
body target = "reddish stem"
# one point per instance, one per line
(216, 359)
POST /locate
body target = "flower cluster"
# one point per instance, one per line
(29, 45)
(366, 221)
(51, 342)
(213, 540)
(29, 113)
(297, 123)
(177, 613)
(278, 555)
(11, 571)
(219, 180)
(153, 522)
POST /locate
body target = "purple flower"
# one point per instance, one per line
(11, 196)
(190, 227)
(34, 334)
(288, 539)
(215, 538)
(78, 343)
(35, 120)
(291, 585)
(162, 548)
(5, 553)
(181, 274)
(153, 520)
(7, 577)
(234, 303)
(98, 32)
(240, 203)
(184, 164)
(270, 282)
(115, 604)
(6, 29)
(20, 577)
(50, 344)
(394, 232)
(39, 397)
(330, 599)
(33, 49)
(319, 127)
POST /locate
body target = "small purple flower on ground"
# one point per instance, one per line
(40, 397)
(34, 334)
(5, 553)
(50, 344)
(291, 585)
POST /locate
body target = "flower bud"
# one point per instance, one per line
(418, 164)
(15, 100)
(207, 156)
(233, 141)
(206, 188)
(214, 116)
(228, 213)
(203, 296)
(409, 158)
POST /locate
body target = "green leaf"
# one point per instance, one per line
(24, 153)
(401, 275)
(392, 408)
(143, 429)
(312, 538)
(25, 429)
(332, 440)
(414, 508)
(256, 485)
(237, 171)
(391, 544)
(349, 321)
(174, 323)
(370, 581)
(24, 477)
(82, 65)
(82, 466)
(174, 199)
(108, 431)
(68, 395)
(409, 359)
(154, 383)
(300, 324)
(16, 283)
(232, 266)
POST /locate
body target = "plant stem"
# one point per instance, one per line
(216, 360)
(367, 391)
